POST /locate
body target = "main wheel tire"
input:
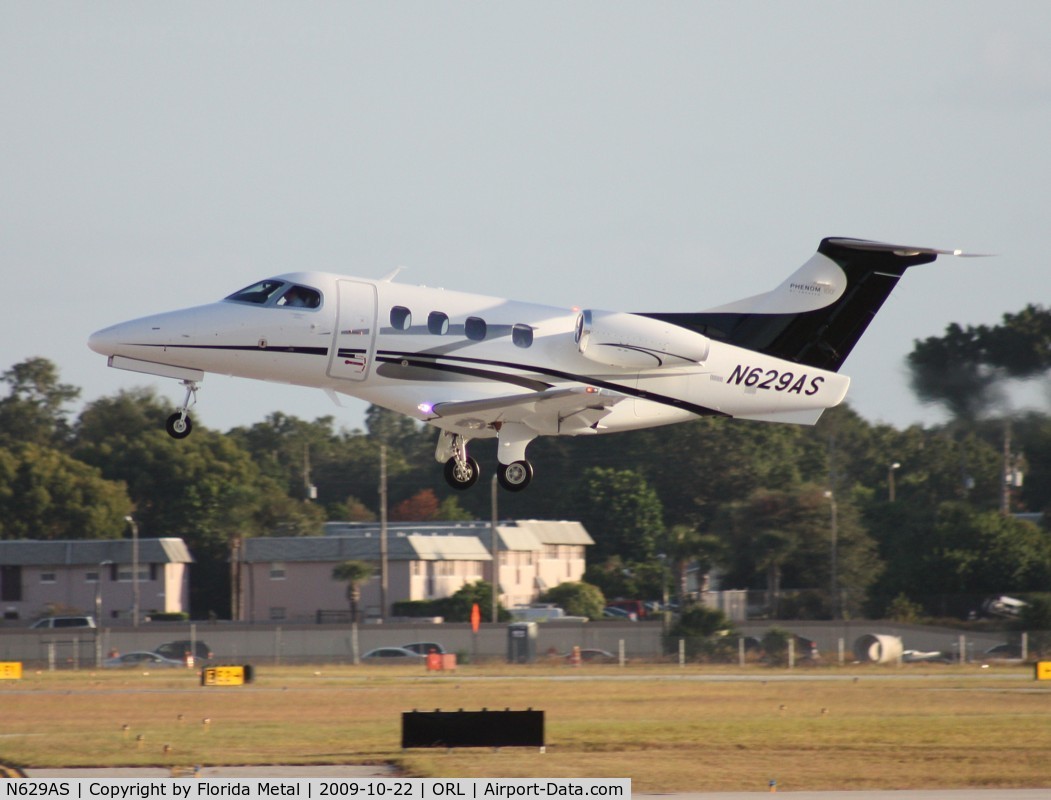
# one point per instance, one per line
(178, 426)
(515, 476)
(461, 478)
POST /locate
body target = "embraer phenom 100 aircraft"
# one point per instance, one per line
(479, 367)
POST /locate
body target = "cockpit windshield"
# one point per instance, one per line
(272, 292)
(258, 293)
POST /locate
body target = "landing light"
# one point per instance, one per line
(426, 408)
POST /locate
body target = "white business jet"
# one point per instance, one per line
(481, 367)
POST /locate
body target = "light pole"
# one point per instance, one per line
(134, 570)
(494, 553)
(98, 592)
(833, 554)
(890, 479)
(98, 611)
(383, 533)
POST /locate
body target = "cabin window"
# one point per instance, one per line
(438, 323)
(522, 335)
(400, 318)
(474, 328)
(258, 293)
(300, 297)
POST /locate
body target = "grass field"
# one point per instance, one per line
(880, 727)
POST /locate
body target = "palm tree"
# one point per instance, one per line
(354, 573)
(685, 545)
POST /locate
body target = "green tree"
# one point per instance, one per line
(683, 545)
(35, 408)
(964, 369)
(706, 632)
(699, 467)
(205, 488)
(46, 494)
(989, 553)
(621, 512)
(577, 599)
(353, 573)
(457, 607)
(784, 539)
(291, 451)
(613, 578)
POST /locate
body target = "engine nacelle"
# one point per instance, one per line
(620, 339)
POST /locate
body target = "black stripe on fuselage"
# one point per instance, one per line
(245, 348)
(427, 361)
(430, 362)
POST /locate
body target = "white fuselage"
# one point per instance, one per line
(411, 348)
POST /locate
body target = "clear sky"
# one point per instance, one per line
(630, 156)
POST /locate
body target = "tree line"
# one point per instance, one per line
(819, 510)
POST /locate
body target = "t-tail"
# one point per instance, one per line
(818, 314)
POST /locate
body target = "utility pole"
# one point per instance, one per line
(134, 570)
(493, 549)
(1012, 472)
(309, 489)
(383, 532)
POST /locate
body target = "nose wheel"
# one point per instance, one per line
(178, 424)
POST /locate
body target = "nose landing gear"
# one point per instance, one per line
(179, 424)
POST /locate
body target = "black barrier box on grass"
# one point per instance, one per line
(472, 728)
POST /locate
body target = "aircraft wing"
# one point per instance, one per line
(550, 412)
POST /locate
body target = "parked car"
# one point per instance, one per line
(594, 655)
(392, 655)
(636, 607)
(612, 612)
(1004, 652)
(64, 622)
(424, 648)
(806, 648)
(177, 650)
(141, 658)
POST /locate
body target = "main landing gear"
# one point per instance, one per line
(179, 424)
(461, 471)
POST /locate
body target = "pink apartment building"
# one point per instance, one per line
(290, 578)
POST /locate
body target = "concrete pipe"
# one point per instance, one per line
(877, 648)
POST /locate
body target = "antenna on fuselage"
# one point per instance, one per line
(389, 277)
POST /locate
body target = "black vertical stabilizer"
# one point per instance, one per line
(823, 337)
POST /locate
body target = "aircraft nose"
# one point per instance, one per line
(103, 341)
